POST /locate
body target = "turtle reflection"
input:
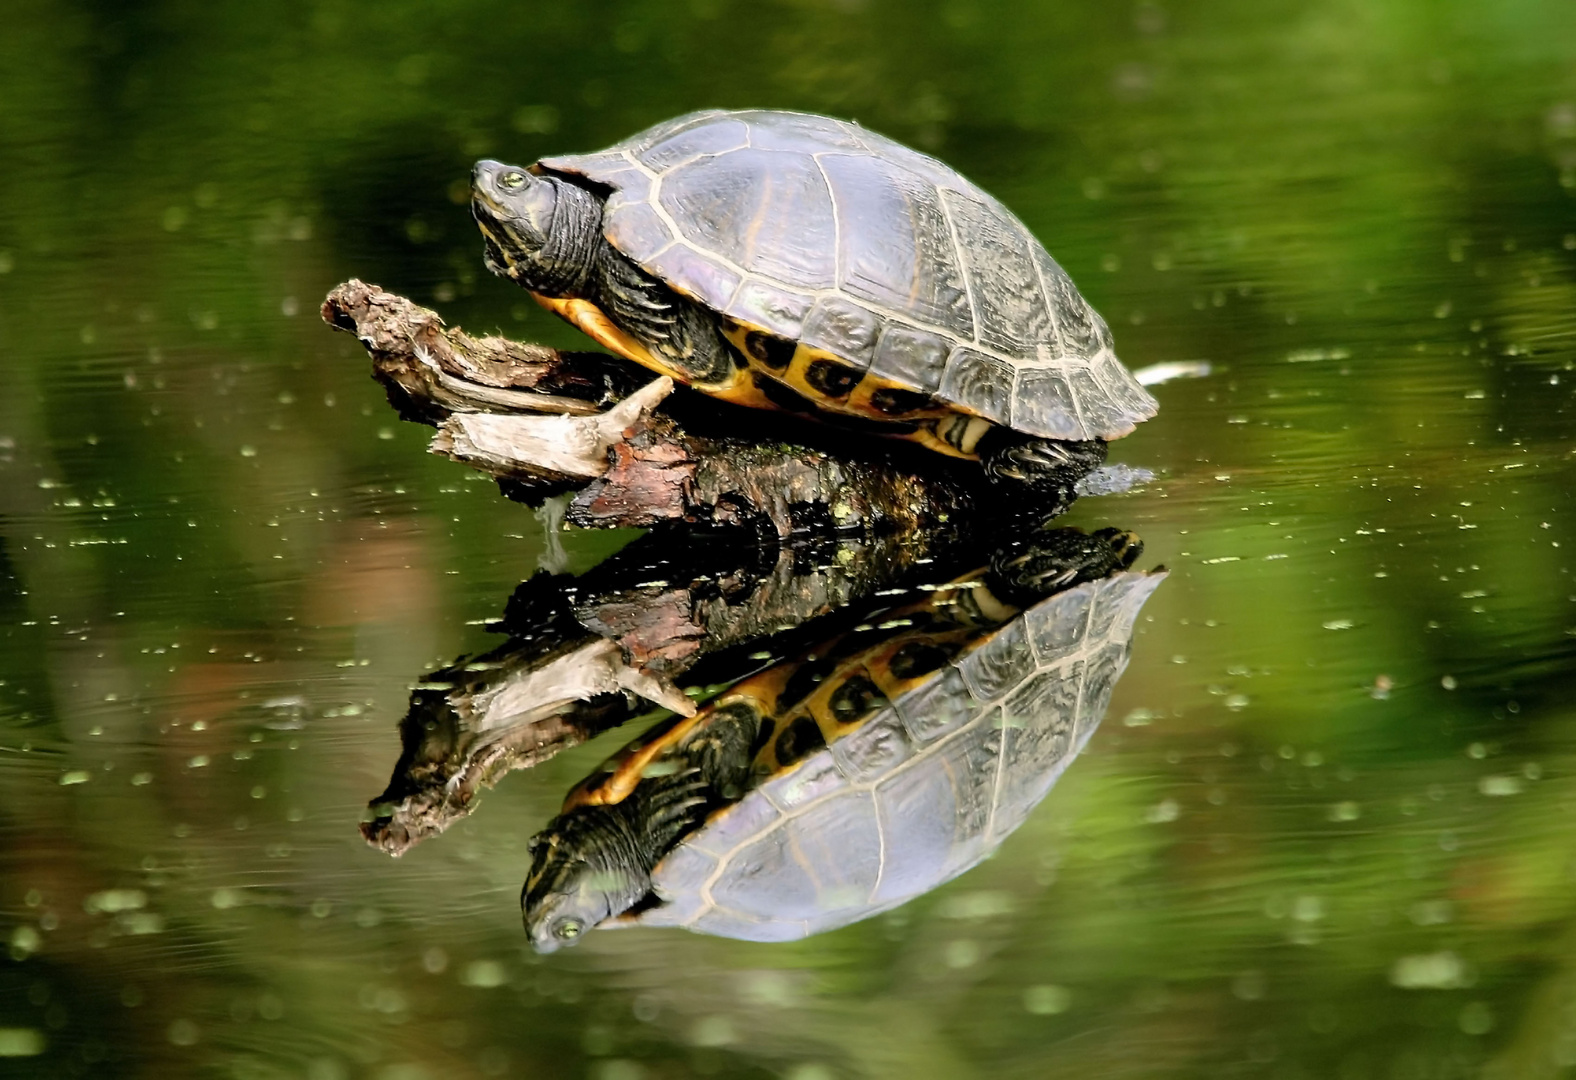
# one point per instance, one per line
(586, 654)
(865, 772)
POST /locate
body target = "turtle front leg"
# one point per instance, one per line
(1030, 568)
(1011, 457)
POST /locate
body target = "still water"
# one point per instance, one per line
(1328, 825)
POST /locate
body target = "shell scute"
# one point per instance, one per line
(910, 264)
(834, 849)
(735, 827)
(1009, 306)
(911, 356)
(679, 880)
(978, 383)
(999, 664)
(1056, 627)
(771, 130)
(704, 278)
(766, 213)
(1074, 319)
(940, 706)
(637, 229)
(747, 927)
(1103, 670)
(873, 749)
(1106, 612)
(1136, 403)
(945, 806)
(1040, 707)
(716, 136)
(771, 307)
(926, 815)
(667, 129)
(842, 328)
(1101, 411)
(1044, 404)
(814, 779)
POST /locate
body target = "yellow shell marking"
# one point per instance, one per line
(934, 422)
(963, 612)
(970, 612)
(930, 420)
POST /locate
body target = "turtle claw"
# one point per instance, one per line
(1022, 459)
(1056, 559)
(672, 806)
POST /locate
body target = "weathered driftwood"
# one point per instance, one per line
(471, 724)
(557, 447)
(433, 371)
(530, 414)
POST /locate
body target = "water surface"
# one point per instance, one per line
(1328, 828)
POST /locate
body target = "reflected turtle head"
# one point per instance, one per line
(577, 881)
(514, 210)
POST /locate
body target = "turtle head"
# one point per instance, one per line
(514, 211)
(584, 871)
(541, 231)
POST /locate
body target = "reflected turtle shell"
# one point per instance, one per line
(811, 230)
(918, 792)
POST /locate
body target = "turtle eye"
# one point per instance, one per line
(568, 929)
(512, 179)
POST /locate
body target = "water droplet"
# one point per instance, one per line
(1047, 999)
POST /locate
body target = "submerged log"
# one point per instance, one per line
(546, 420)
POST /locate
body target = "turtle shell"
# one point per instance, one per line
(919, 791)
(815, 231)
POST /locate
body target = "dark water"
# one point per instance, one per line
(1328, 827)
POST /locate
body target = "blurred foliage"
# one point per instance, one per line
(1326, 830)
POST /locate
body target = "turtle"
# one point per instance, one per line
(791, 261)
(865, 772)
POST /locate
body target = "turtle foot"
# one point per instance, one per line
(1057, 559)
(1012, 458)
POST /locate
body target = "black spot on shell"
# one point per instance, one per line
(790, 400)
(763, 737)
(773, 351)
(920, 658)
(799, 739)
(898, 402)
(855, 698)
(784, 397)
(802, 683)
(831, 379)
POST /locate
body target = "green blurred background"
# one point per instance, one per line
(1329, 826)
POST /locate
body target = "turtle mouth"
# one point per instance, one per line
(499, 249)
(492, 218)
(494, 256)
